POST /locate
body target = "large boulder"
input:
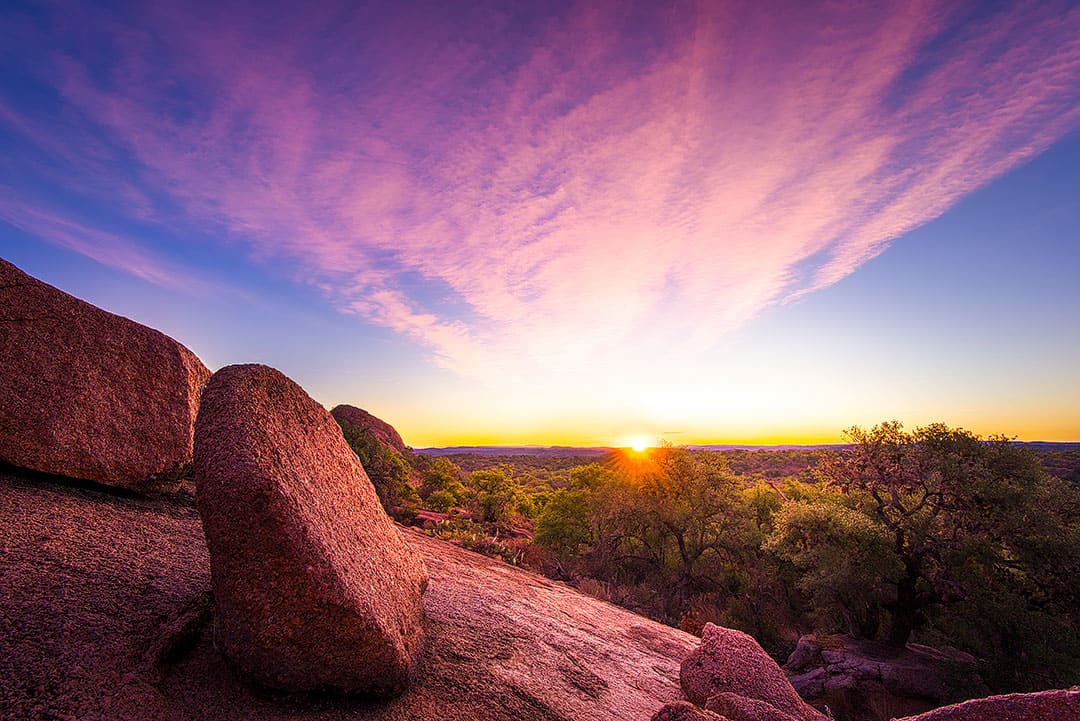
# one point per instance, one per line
(868, 679)
(313, 585)
(359, 420)
(1061, 705)
(729, 661)
(91, 395)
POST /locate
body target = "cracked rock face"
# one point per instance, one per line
(91, 395)
(314, 587)
(105, 622)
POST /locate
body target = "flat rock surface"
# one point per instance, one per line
(91, 395)
(104, 615)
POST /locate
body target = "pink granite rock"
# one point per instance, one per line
(314, 587)
(357, 419)
(729, 661)
(1061, 705)
(91, 395)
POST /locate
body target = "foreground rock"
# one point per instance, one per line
(730, 661)
(89, 394)
(740, 708)
(103, 622)
(1061, 705)
(864, 679)
(683, 711)
(314, 586)
(359, 420)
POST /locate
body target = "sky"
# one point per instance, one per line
(572, 223)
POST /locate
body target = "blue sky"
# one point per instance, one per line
(573, 226)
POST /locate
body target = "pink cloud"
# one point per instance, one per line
(587, 199)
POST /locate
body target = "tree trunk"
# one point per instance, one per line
(905, 608)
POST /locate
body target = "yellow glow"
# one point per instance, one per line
(638, 444)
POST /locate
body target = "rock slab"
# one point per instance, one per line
(358, 419)
(729, 661)
(79, 613)
(1058, 705)
(314, 587)
(91, 395)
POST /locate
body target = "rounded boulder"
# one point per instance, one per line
(729, 661)
(92, 395)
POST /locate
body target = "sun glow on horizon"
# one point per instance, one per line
(638, 443)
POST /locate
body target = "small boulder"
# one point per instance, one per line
(314, 587)
(1061, 705)
(682, 711)
(91, 395)
(729, 661)
(740, 708)
(359, 420)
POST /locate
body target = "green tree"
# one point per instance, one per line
(976, 528)
(494, 493)
(441, 475)
(679, 524)
(388, 470)
(844, 562)
(565, 525)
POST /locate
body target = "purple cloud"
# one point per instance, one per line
(595, 185)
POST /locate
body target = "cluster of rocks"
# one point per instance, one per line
(314, 587)
(857, 678)
(729, 677)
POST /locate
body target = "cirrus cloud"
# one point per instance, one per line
(597, 186)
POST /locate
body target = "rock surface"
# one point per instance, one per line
(1063, 705)
(314, 587)
(360, 420)
(683, 711)
(729, 661)
(91, 395)
(740, 708)
(103, 616)
(865, 679)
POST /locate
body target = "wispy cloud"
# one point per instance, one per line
(593, 188)
(108, 248)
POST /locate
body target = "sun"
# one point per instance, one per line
(638, 444)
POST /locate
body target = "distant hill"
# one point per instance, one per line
(597, 451)
(538, 451)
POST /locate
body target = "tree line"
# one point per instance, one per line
(935, 535)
